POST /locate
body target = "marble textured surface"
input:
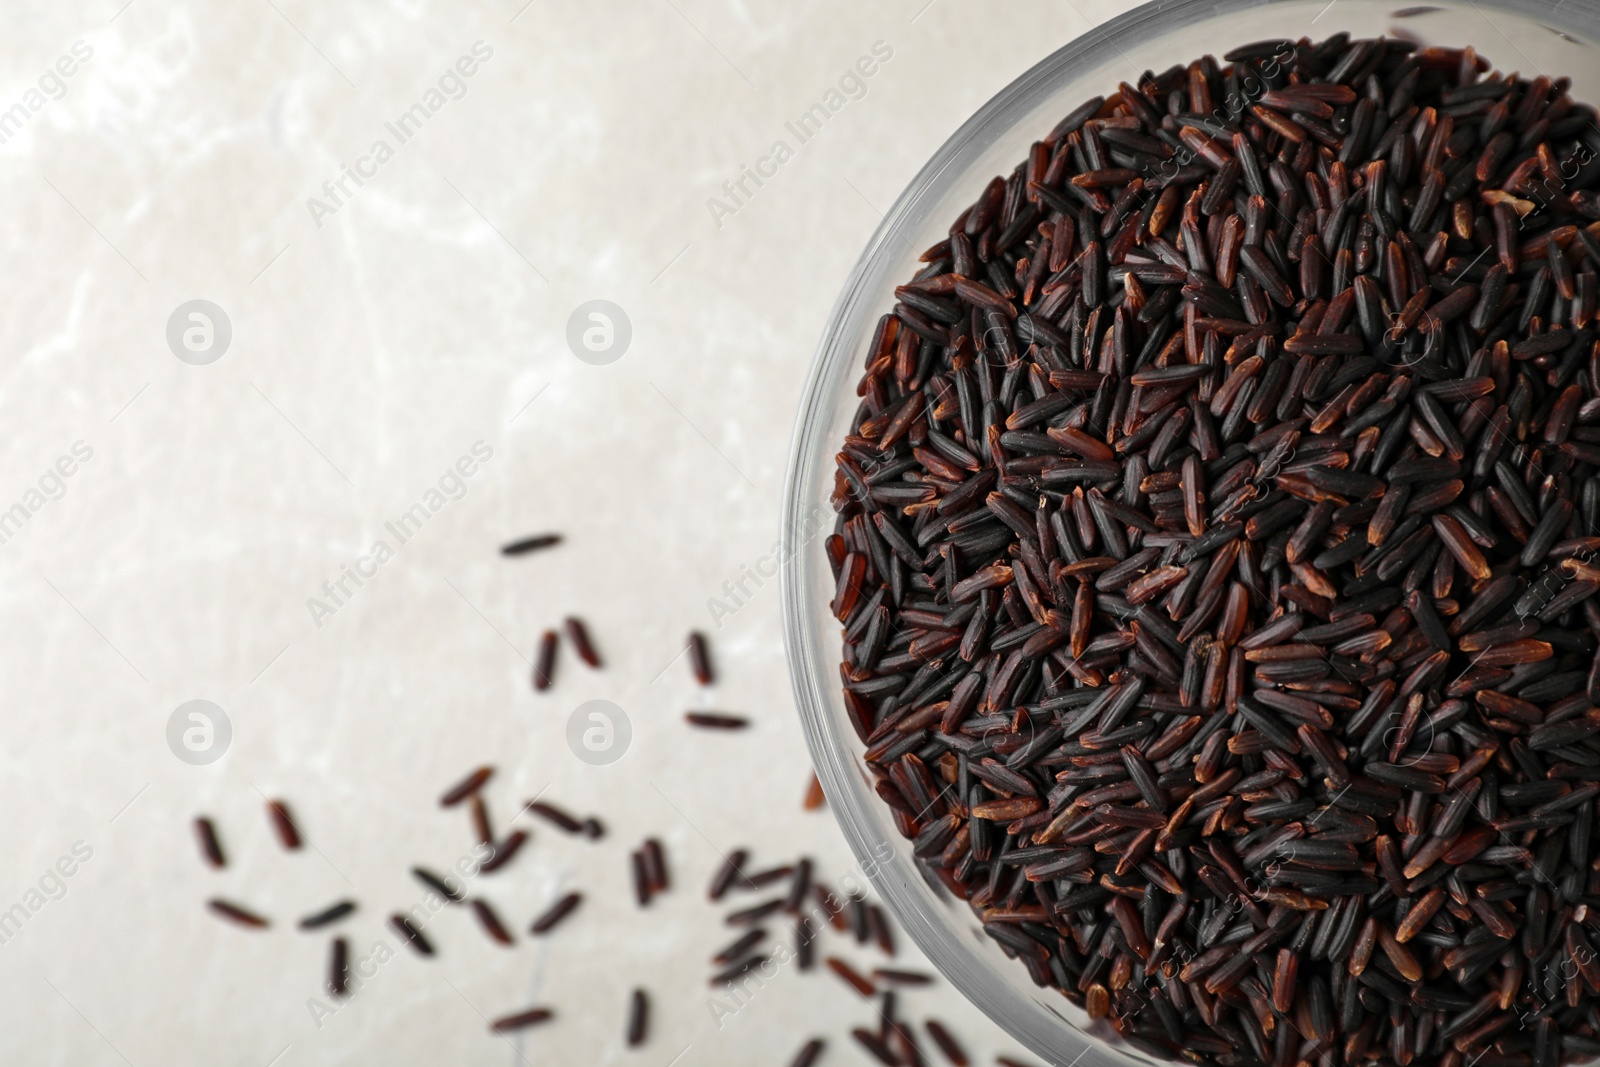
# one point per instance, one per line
(163, 151)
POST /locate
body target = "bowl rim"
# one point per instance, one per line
(833, 761)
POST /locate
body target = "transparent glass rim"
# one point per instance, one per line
(813, 656)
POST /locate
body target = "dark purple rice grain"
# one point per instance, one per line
(851, 977)
(655, 865)
(328, 916)
(809, 1052)
(489, 919)
(730, 870)
(700, 658)
(805, 942)
(882, 930)
(1228, 641)
(641, 877)
(638, 1018)
(578, 634)
(898, 977)
(860, 916)
(550, 813)
(480, 820)
(754, 914)
(283, 824)
(904, 1043)
(504, 851)
(738, 948)
(544, 660)
(465, 788)
(738, 969)
(875, 1045)
(832, 907)
(205, 832)
(715, 720)
(414, 936)
(449, 892)
(521, 1020)
(235, 913)
(952, 1049)
(555, 913)
(800, 885)
(770, 876)
(530, 544)
(339, 967)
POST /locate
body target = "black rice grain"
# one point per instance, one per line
(952, 1049)
(328, 916)
(521, 1020)
(552, 814)
(711, 720)
(740, 947)
(339, 967)
(723, 880)
(283, 824)
(205, 832)
(851, 977)
(738, 969)
(544, 660)
(481, 826)
(445, 889)
(504, 851)
(465, 788)
(489, 919)
(555, 913)
(809, 1053)
(578, 634)
(898, 977)
(413, 935)
(877, 1046)
(530, 544)
(700, 658)
(641, 877)
(746, 916)
(655, 865)
(638, 1018)
(235, 913)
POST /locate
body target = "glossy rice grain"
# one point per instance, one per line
(205, 832)
(534, 543)
(638, 1028)
(465, 788)
(283, 824)
(700, 658)
(555, 913)
(544, 660)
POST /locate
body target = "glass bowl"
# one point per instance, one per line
(1516, 35)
